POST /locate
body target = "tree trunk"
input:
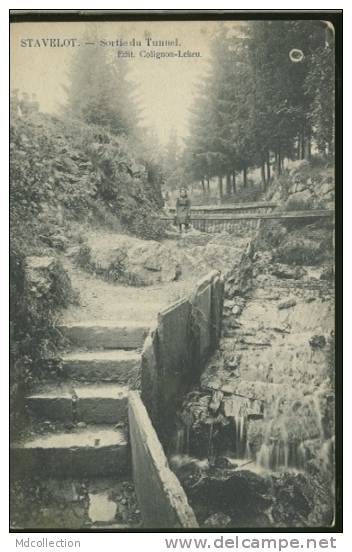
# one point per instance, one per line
(268, 169)
(279, 162)
(245, 177)
(228, 184)
(203, 185)
(302, 145)
(208, 184)
(262, 172)
(307, 149)
(221, 190)
(234, 182)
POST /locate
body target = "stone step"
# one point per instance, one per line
(90, 403)
(106, 334)
(54, 403)
(102, 404)
(88, 452)
(105, 365)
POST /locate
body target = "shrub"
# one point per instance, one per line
(299, 250)
(64, 171)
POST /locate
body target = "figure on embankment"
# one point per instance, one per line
(183, 210)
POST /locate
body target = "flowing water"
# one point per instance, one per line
(272, 413)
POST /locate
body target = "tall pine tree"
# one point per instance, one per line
(99, 92)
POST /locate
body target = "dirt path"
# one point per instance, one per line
(100, 300)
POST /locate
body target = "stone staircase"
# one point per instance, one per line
(80, 425)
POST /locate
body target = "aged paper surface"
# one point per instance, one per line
(173, 274)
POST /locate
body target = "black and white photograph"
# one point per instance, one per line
(174, 353)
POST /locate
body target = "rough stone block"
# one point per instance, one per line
(110, 365)
(88, 452)
(54, 404)
(101, 404)
(105, 334)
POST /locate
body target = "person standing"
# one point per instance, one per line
(183, 210)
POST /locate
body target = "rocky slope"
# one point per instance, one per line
(255, 444)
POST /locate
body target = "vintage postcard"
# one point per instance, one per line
(173, 271)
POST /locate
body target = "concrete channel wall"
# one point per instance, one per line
(176, 349)
(162, 500)
(185, 335)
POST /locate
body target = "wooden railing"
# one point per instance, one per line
(232, 208)
(219, 218)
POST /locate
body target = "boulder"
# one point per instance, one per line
(287, 272)
(287, 304)
(218, 520)
(56, 241)
(138, 262)
(195, 237)
(45, 279)
(328, 274)
(220, 255)
(301, 500)
(299, 187)
(296, 249)
(299, 201)
(299, 166)
(241, 495)
(317, 341)
(327, 188)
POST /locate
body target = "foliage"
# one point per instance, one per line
(257, 106)
(63, 171)
(34, 307)
(62, 167)
(297, 250)
(99, 92)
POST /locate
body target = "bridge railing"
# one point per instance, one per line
(263, 206)
(214, 220)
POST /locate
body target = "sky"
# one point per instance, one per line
(166, 87)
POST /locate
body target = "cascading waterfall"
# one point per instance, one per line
(210, 443)
(240, 436)
(327, 452)
(278, 450)
(280, 454)
(316, 411)
(263, 456)
(180, 440)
